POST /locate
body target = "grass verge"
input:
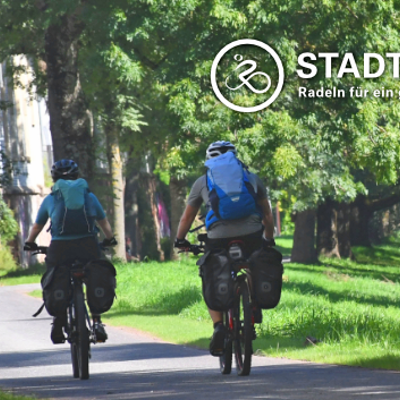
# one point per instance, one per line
(19, 276)
(10, 396)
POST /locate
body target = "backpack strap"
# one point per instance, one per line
(38, 311)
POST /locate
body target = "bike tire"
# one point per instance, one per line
(73, 345)
(83, 334)
(243, 335)
(225, 361)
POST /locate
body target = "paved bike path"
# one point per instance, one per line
(136, 366)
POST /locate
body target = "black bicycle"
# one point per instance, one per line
(79, 329)
(239, 320)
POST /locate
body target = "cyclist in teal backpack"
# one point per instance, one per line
(237, 209)
(73, 211)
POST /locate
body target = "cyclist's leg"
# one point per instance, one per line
(219, 332)
(89, 247)
(56, 254)
(252, 243)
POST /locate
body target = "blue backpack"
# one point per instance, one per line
(231, 194)
(73, 212)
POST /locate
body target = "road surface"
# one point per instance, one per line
(136, 366)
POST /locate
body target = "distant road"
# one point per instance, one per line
(135, 366)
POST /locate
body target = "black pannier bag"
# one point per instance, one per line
(266, 270)
(57, 290)
(218, 283)
(100, 285)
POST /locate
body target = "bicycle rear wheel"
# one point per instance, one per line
(225, 361)
(83, 334)
(243, 331)
(73, 342)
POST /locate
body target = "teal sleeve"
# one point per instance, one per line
(99, 212)
(43, 214)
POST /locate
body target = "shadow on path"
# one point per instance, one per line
(290, 381)
(100, 353)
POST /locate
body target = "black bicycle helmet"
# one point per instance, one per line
(64, 169)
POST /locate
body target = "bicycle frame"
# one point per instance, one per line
(77, 277)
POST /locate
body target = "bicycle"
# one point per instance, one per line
(79, 329)
(239, 320)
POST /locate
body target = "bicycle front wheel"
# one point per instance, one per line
(83, 334)
(225, 361)
(243, 331)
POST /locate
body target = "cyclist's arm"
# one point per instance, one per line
(34, 232)
(101, 218)
(106, 228)
(186, 221)
(268, 220)
(41, 219)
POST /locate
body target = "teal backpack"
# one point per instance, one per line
(73, 213)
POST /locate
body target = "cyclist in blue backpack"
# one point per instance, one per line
(73, 211)
(237, 209)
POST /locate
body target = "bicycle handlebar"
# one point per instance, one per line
(39, 250)
(194, 248)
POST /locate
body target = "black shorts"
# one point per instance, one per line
(65, 252)
(252, 242)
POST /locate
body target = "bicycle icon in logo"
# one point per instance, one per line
(246, 76)
(246, 81)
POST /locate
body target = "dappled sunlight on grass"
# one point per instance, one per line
(350, 307)
(284, 244)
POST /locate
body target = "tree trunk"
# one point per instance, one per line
(148, 218)
(360, 216)
(131, 208)
(343, 230)
(327, 239)
(304, 238)
(177, 188)
(69, 118)
(115, 163)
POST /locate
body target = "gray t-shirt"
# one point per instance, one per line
(233, 227)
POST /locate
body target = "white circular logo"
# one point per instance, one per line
(246, 76)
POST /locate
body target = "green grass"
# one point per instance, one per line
(10, 396)
(284, 244)
(19, 276)
(351, 307)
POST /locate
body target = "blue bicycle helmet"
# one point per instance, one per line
(217, 148)
(65, 169)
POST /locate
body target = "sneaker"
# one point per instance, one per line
(101, 335)
(57, 335)
(217, 341)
